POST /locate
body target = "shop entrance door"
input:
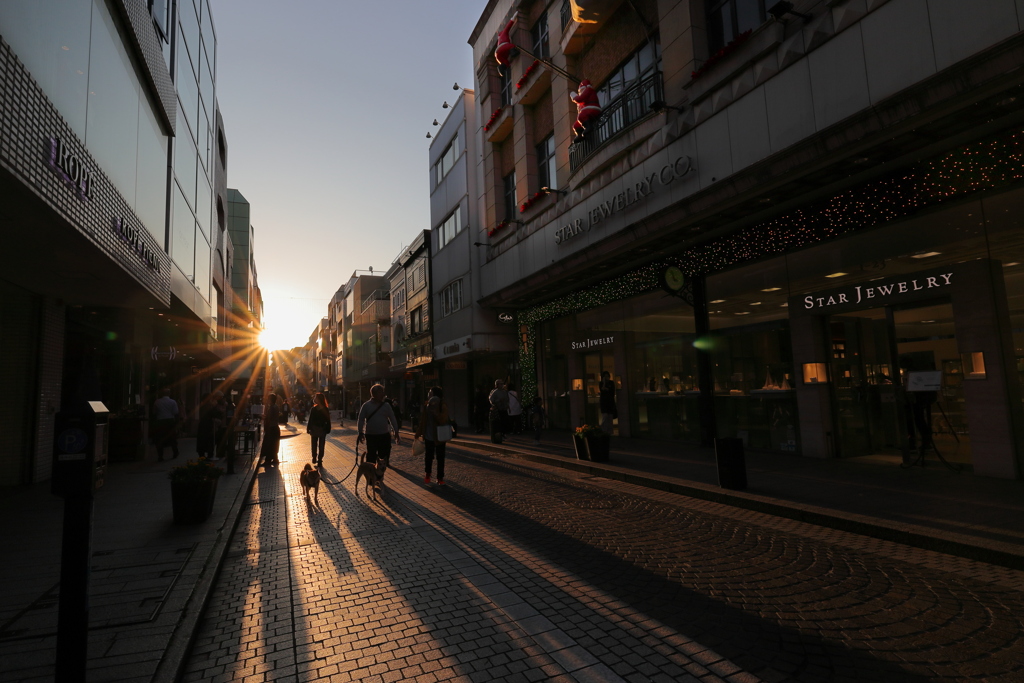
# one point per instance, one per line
(866, 414)
(595, 364)
(873, 414)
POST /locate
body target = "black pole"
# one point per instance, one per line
(705, 380)
(73, 609)
(558, 70)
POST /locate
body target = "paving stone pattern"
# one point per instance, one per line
(516, 572)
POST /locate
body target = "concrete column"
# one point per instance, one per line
(813, 401)
(994, 415)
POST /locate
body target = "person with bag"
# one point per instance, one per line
(436, 430)
(374, 420)
(515, 410)
(318, 427)
(499, 411)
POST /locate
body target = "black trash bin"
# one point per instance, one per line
(732, 467)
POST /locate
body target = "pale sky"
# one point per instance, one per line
(326, 107)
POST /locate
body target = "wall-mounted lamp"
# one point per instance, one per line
(436, 123)
(455, 87)
(514, 220)
(782, 8)
(658, 105)
(445, 105)
(549, 190)
(429, 135)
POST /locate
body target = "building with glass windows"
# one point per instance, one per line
(472, 347)
(800, 230)
(106, 271)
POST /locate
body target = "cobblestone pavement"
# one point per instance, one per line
(518, 572)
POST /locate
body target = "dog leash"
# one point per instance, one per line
(354, 465)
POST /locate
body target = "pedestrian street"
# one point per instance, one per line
(517, 572)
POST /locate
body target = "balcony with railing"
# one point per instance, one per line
(377, 305)
(633, 105)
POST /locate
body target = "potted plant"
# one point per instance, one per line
(193, 487)
(594, 441)
(580, 443)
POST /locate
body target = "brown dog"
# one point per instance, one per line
(310, 479)
(374, 475)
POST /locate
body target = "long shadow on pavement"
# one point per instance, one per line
(700, 595)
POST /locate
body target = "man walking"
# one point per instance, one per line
(375, 418)
(165, 424)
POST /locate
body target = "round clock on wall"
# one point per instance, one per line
(672, 280)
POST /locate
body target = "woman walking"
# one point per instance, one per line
(318, 427)
(436, 430)
(271, 433)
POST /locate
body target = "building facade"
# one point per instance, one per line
(107, 266)
(472, 346)
(802, 233)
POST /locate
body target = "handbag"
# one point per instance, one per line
(444, 432)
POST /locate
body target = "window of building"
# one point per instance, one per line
(451, 227)
(447, 160)
(539, 33)
(726, 19)
(546, 176)
(506, 86)
(451, 298)
(397, 299)
(160, 10)
(419, 276)
(416, 321)
(509, 193)
(640, 65)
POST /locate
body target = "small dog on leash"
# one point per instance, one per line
(310, 479)
(374, 475)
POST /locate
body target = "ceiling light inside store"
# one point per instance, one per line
(837, 274)
(927, 321)
(755, 303)
(771, 289)
(742, 312)
(1011, 263)
(786, 305)
(717, 301)
(927, 254)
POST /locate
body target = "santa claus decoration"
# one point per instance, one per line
(588, 108)
(503, 53)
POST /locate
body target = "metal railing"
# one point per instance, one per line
(566, 13)
(376, 295)
(631, 106)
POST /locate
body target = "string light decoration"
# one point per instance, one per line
(526, 76)
(494, 117)
(980, 166)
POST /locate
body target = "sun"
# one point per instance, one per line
(271, 341)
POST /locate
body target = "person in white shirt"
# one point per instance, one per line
(165, 424)
(374, 420)
(515, 410)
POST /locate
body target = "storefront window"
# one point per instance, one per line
(645, 344)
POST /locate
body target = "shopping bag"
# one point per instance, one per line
(418, 447)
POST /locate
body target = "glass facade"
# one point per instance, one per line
(857, 344)
(194, 80)
(77, 56)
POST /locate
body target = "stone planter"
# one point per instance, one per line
(192, 501)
